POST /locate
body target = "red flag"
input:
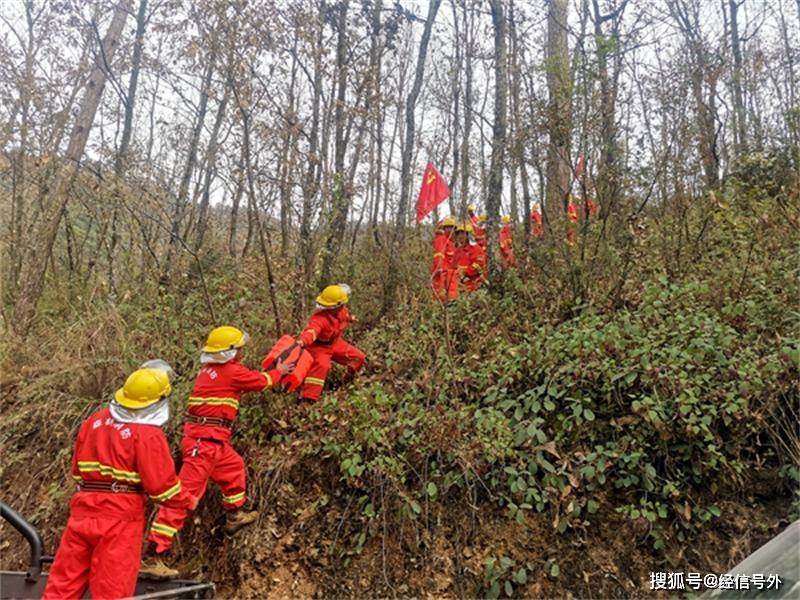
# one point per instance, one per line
(579, 166)
(433, 191)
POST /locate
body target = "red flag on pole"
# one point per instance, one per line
(580, 166)
(433, 191)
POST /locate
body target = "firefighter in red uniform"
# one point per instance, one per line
(443, 274)
(470, 258)
(592, 208)
(537, 229)
(506, 243)
(121, 457)
(322, 337)
(478, 228)
(206, 448)
(572, 220)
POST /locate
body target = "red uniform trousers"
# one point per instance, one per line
(445, 284)
(337, 351)
(100, 552)
(202, 460)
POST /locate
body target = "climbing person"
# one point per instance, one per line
(478, 223)
(591, 208)
(322, 337)
(470, 258)
(207, 452)
(506, 242)
(537, 229)
(572, 220)
(121, 457)
(443, 273)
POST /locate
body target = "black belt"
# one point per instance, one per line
(211, 440)
(110, 486)
(216, 421)
(323, 342)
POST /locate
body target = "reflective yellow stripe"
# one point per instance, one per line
(313, 333)
(87, 466)
(232, 499)
(195, 401)
(77, 478)
(268, 378)
(438, 255)
(163, 497)
(314, 381)
(163, 529)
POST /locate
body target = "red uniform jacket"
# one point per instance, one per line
(443, 251)
(128, 454)
(478, 231)
(471, 260)
(536, 224)
(592, 207)
(506, 247)
(572, 212)
(325, 326)
(217, 391)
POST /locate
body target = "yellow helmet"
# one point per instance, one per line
(143, 388)
(481, 218)
(464, 227)
(224, 338)
(448, 222)
(333, 296)
(505, 219)
(537, 206)
(471, 208)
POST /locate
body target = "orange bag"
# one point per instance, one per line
(294, 380)
(281, 346)
(289, 351)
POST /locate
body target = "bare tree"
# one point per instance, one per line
(405, 170)
(498, 138)
(559, 109)
(35, 264)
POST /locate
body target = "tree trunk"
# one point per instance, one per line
(237, 198)
(211, 168)
(191, 161)
(738, 95)
(608, 175)
(559, 112)
(340, 201)
(405, 170)
(469, 36)
(310, 181)
(493, 198)
(46, 229)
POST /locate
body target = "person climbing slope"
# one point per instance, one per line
(470, 258)
(206, 448)
(572, 220)
(121, 457)
(506, 243)
(478, 223)
(537, 228)
(322, 337)
(444, 280)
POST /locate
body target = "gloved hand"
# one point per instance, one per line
(283, 367)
